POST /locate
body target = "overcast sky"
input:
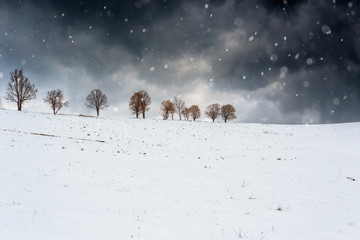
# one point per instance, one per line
(275, 61)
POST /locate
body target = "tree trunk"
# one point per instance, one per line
(213, 119)
(97, 112)
(143, 113)
(19, 106)
(179, 115)
(225, 120)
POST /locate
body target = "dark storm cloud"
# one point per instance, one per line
(277, 61)
(314, 50)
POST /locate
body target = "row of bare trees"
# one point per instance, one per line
(170, 107)
(20, 90)
(227, 112)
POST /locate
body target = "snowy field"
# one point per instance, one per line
(72, 177)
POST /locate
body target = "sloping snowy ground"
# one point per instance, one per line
(72, 177)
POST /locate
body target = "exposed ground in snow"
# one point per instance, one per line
(71, 177)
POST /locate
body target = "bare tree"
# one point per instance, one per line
(145, 101)
(167, 108)
(20, 89)
(213, 111)
(179, 105)
(186, 113)
(228, 112)
(55, 98)
(134, 104)
(194, 112)
(139, 103)
(96, 100)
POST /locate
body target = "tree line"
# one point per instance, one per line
(20, 90)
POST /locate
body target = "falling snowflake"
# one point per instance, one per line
(310, 61)
(273, 57)
(326, 29)
(283, 71)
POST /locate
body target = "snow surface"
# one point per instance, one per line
(72, 177)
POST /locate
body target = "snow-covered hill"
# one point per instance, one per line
(72, 177)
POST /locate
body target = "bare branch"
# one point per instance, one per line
(167, 108)
(96, 100)
(139, 103)
(228, 112)
(195, 112)
(186, 113)
(20, 89)
(213, 111)
(55, 98)
(179, 105)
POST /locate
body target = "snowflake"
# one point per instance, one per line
(326, 29)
